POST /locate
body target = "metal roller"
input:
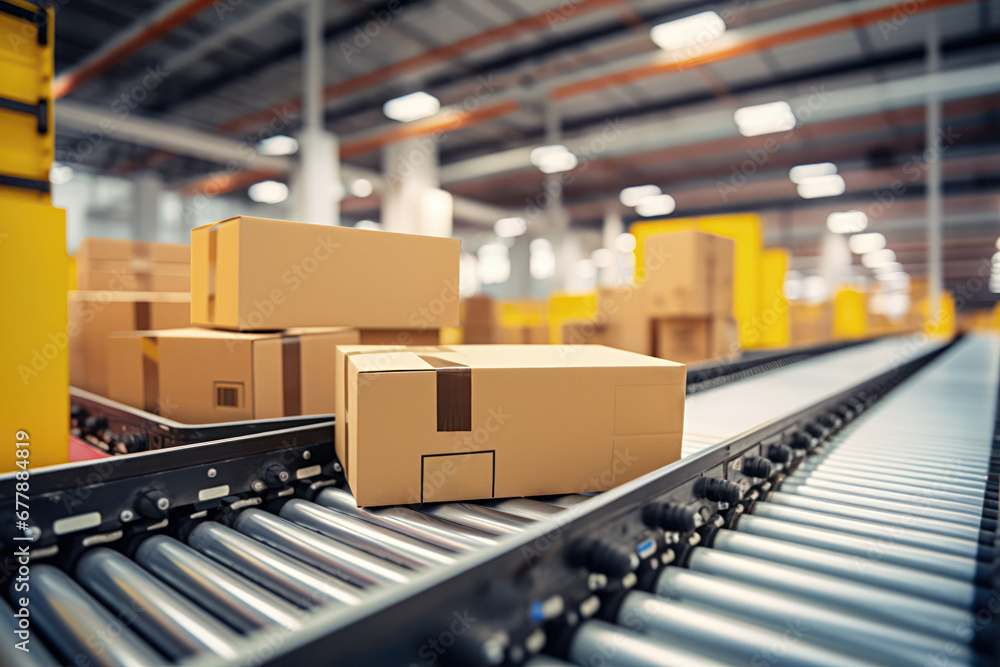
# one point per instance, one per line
(566, 501)
(897, 533)
(936, 526)
(431, 529)
(894, 577)
(601, 643)
(793, 484)
(170, 622)
(244, 605)
(527, 508)
(879, 474)
(829, 625)
(963, 517)
(848, 464)
(904, 609)
(283, 575)
(937, 491)
(35, 655)
(483, 518)
(879, 550)
(76, 624)
(376, 540)
(340, 560)
(696, 624)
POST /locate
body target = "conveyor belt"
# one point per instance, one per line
(877, 550)
(732, 409)
(264, 569)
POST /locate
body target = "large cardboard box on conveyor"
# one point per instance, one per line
(202, 376)
(120, 264)
(254, 274)
(466, 422)
(692, 340)
(94, 316)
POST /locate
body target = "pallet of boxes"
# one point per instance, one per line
(270, 301)
(682, 309)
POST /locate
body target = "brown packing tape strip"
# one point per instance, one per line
(213, 258)
(291, 375)
(454, 399)
(150, 374)
(143, 316)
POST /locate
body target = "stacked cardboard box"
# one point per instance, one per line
(95, 315)
(811, 323)
(681, 310)
(270, 301)
(479, 319)
(121, 265)
(689, 294)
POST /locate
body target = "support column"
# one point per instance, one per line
(318, 180)
(146, 204)
(413, 201)
(612, 228)
(933, 155)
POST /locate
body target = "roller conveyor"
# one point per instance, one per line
(714, 568)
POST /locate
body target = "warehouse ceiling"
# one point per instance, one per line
(231, 67)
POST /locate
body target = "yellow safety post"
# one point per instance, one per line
(850, 315)
(943, 326)
(566, 307)
(34, 360)
(775, 325)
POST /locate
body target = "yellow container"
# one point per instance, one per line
(34, 360)
(27, 135)
(850, 315)
(569, 307)
(775, 321)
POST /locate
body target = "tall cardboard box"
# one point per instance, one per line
(691, 340)
(479, 319)
(120, 264)
(34, 373)
(467, 422)
(689, 274)
(254, 274)
(623, 312)
(199, 376)
(94, 316)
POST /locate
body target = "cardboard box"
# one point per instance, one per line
(492, 421)
(258, 274)
(624, 315)
(93, 316)
(120, 264)
(811, 323)
(692, 340)
(689, 274)
(202, 376)
(93, 248)
(399, 337)
(124, 280)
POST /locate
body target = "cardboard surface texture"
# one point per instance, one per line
(119, 264)
(94, 316)
(200, 376)
(689, 273)
(254, 274)
(434, 424)
(694, 339)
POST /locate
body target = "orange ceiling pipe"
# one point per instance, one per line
(367, 144)
(532, 23)
(65, 83)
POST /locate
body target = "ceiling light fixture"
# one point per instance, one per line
(767, 118)
(411, 107)
(688, 31)
(635, 194)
